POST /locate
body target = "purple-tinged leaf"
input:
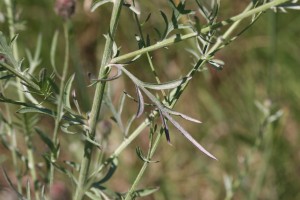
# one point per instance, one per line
(165, 126)
(116, 76)
(182, 115)
(141, 103)
(188, 136)
(167, 85)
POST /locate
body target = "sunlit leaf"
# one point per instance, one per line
(44, 137)
(141, 103)
(99, 3)
(37, 110)
(144, 192)
(53, 51)
(67, 92)
(142, 157)
(167, 85)
(113, 164)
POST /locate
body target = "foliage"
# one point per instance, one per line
(28, 88)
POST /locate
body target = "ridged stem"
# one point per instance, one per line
(97, 102)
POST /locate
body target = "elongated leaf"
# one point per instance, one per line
(37, 110)
(7, 77)
(67, 92)
(116, 76)
(28, 190)
(142, 157)
(165, 86)
(188, 136)
(144, 192)
(44, 137)
(99, 3)
(53, 51)
(182, 115)
(11, 185)
(167, 24)
(164, 113)
(165, 126)
(112, 169)
(141, 104)
(6, 50)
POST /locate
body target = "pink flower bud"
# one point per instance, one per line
(59, 191)
(65, 8)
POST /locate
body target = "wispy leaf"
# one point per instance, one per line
(44, 137)
(67, 92)
(53, 51)
(113, 164)
(161, 108)
(141, 104)
(167, 85)
(99, 3)
(144, 192)
(11, 185)
(114, 77)
(182, 115)
(165, 126)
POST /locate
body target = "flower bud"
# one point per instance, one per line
(65, 8)
(59, 191)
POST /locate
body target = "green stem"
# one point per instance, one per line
(60, 107)
(97, 102)
(145, 165)
(179, 38)
(28, 140)
(12, 134)
(174, 96)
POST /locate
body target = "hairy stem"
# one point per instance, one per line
(27, 132)
(97, 102)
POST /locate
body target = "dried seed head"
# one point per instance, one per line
(65, 8)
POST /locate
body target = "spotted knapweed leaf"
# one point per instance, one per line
(98, 3)
(141, 103)
(165, 126)
(166, 85)
(67, 92)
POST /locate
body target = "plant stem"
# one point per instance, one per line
(97, 102)
(145, 165)
(174, 96)
(30, 154)
(179, 38)
(54, 155)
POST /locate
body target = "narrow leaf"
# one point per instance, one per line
(188, 136)
(67, 92)
(182, 115)
(37, 110)
(167, 85)
(11, 185)
(144, 192)
(99, 3)
(44, 137)
(165, 126)
(142, 157)
(141, 104)
(53, 51)
(112, 169)
(167, 24)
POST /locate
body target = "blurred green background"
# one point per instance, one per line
(256, 159)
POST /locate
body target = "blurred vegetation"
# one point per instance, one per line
(257, 160)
